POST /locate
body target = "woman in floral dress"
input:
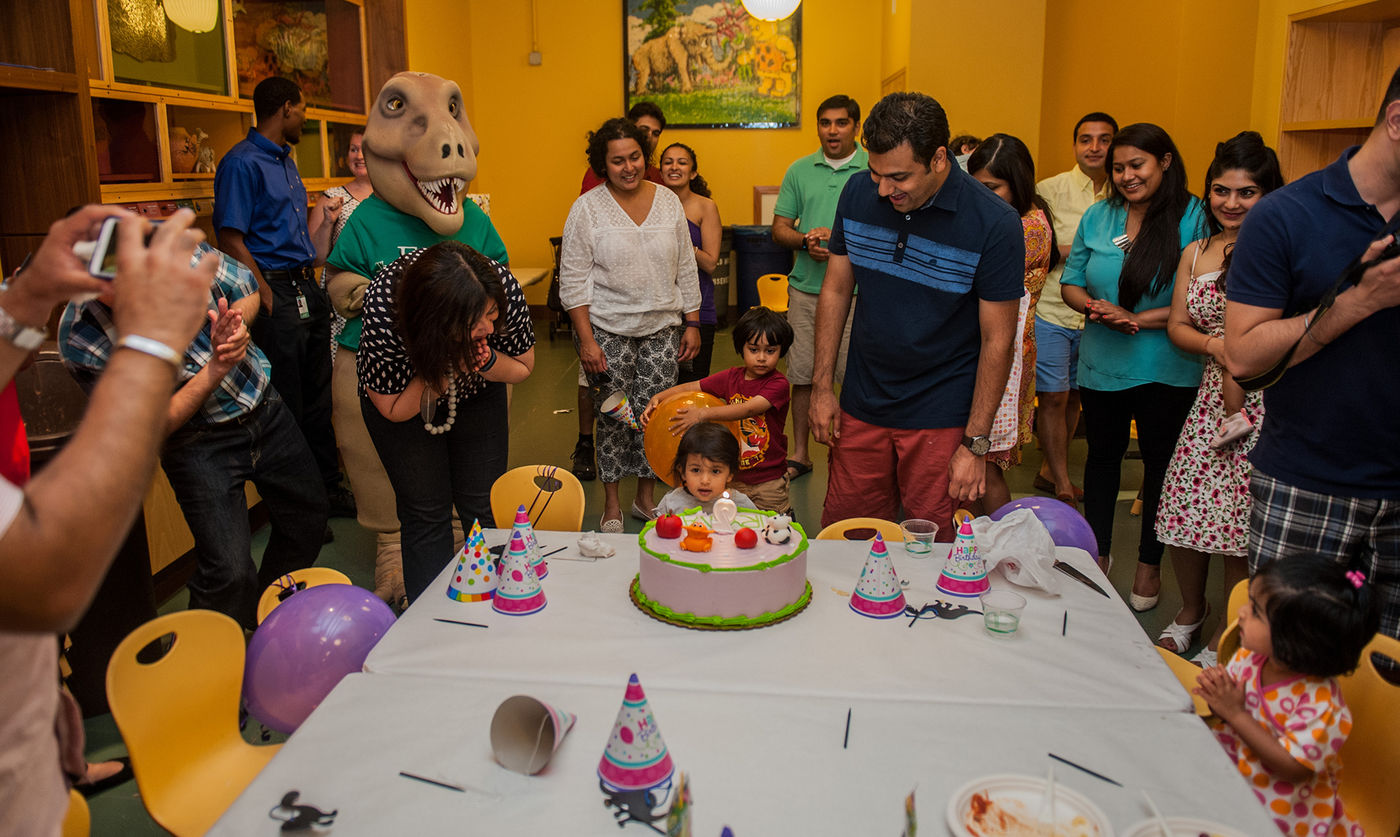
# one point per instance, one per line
(1205, 496)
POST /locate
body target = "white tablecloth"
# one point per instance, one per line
(762, 764)
(591, 634)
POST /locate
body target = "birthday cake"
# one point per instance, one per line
(693, 576)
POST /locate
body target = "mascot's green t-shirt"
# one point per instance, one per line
(377, 233)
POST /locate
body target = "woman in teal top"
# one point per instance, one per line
(1119, 274)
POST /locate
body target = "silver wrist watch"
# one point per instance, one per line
(22, 336)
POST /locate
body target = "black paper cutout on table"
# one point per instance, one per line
(296, 817)
(637, 806)
(939, 610)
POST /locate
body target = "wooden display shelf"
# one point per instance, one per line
(33, 78)
(1330, 125)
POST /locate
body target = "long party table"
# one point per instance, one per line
(763, 764)
(590, 634)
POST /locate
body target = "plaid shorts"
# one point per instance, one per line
(1363, 533)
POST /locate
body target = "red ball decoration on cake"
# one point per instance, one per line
(669, 526)
(746, 538)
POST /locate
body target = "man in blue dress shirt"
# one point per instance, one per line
(260, 218)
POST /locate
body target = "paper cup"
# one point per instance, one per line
(526, 731)
(919, 535)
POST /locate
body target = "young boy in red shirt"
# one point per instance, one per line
(756, 395)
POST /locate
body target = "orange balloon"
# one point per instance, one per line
(660, 444)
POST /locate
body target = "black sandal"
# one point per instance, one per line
(802, 468)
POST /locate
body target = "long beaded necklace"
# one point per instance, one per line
(430, 403)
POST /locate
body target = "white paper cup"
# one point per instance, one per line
(1001, 612)
(919, 535)
(525, 732)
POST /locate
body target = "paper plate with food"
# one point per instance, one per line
(1010, 805)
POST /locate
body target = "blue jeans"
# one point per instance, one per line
(432, 474)
(207, 465)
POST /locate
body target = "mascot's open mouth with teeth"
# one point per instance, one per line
(441, 193)
(420, 149)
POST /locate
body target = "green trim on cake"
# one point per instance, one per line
(706, 568)
(718, 621)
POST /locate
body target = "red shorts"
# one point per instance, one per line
(873, 471)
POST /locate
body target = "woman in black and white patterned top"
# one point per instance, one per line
(445, 329)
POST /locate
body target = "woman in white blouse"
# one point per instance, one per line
(628, 280)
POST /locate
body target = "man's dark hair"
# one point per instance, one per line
(651, 109)
(907, 117)
(758, 322)
(273, 92)
(614, 129)
(1392, 93)
(840, 100)
(1096, 116)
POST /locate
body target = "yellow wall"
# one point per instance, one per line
(1187, 65)
(986, 75)
(1203, 69)
(532, 120)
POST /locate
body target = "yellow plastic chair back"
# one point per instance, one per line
(302, 579)
(1371, 756)
(1230, 637)
(179, 718)
(1186, 672)
(552, 497)
(862, 529)
(78, 821)
(773, 291)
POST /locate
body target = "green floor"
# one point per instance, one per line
(544, 427)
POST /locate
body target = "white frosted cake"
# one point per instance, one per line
(729, 585)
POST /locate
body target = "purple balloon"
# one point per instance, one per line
(1067, 527)
(303, 648)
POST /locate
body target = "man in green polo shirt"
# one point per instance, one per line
(801, 221)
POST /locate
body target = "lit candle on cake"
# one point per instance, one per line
(724, 514)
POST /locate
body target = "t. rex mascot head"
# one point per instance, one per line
(420, 149)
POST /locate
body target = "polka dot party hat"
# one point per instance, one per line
(519, 592)
(878, 594)
(636, 758)
(965, 573)
(532, 546)
(474, 577)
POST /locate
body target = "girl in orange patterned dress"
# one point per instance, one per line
(1003, 164)
(1279, 712)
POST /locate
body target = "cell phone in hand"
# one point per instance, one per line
(102, 262)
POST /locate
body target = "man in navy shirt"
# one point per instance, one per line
(1326, 475)
(260, 218)
(939, 260)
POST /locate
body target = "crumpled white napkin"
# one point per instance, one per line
(1020, 546)
(592, 546)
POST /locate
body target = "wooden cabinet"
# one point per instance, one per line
(1338, 62)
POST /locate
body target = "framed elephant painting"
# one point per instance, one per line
(712, 65)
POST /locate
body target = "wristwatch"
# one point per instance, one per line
(979, 445)
(22, 336)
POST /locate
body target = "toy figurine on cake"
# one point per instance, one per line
(703, 565)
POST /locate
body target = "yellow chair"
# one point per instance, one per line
(855, 529)
(1230, 637)
(552, 496)
(773, 291)
(1371, 756)
(78, 821)
(301, 579)
(179, 718)
(1186, 672)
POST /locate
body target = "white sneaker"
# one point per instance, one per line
(1206, 658)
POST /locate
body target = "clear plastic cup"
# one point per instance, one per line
(918, 536)
(1001, 612)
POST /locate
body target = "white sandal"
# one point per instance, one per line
(1180, 635)
(610, 525)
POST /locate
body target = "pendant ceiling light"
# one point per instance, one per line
(771, 9)
(194, 15)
